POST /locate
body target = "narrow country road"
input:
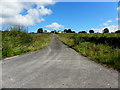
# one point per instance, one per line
(56, 66)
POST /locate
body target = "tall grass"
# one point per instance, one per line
(104, 38)
(102, 53)
(16, 43)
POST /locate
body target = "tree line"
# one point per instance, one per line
(106, 30)
(21, 28)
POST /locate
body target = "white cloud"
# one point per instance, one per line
(118, 8)
(55, 26)
(118, 19)
(105, 24)
(10, 14)
(111, 28)
(109, 21)
(44, 11)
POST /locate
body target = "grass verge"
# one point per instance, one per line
(16, 43)
(101, 53)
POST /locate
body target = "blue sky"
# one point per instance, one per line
(80, 15)
(77, 16)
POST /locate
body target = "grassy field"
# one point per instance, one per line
(97, 47)
(16, 43)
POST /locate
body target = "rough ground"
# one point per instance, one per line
(56, 66)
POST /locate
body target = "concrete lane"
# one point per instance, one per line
(56, 66)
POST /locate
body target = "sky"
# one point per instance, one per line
(51, 15)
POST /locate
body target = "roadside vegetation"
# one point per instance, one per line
(16, 42)
(103, 48)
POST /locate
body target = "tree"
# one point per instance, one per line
(65, 30)
(82, 32)
(73, 31)
(106, 30)
(45, 31)
(118, 31)
(52, 31)
(18, 28)
(55, 31)
(91, 31)
(69, 31)
(40, 30)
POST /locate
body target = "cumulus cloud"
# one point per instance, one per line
(111, 28)
(55, 26)
(11, 12)
(109, 21)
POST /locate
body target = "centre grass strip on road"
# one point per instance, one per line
(16, 43)
(101, 53)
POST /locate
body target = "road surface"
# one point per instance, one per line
(56, 66)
